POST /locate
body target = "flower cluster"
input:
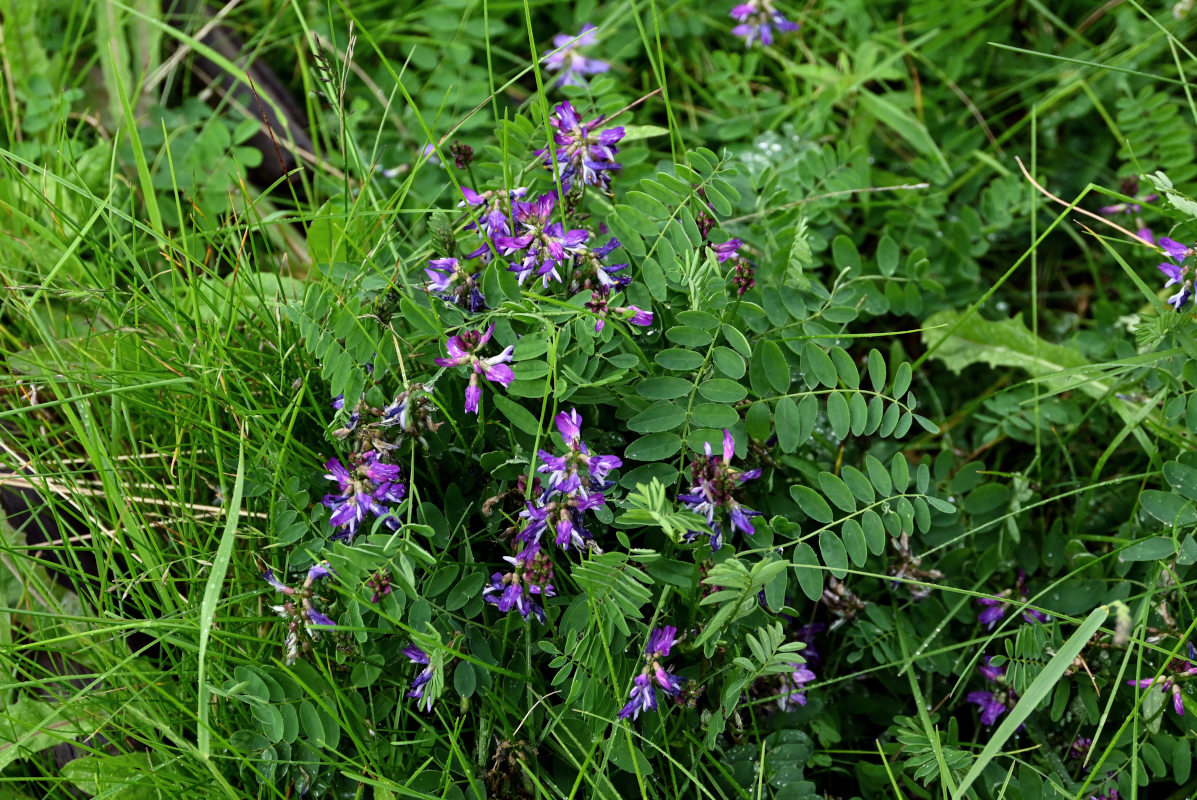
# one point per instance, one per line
(713, 482)
(302, 615)
(567, 59)
(417, 656)
(653, 676)
(582, 149)
(995, 607)
(540, 244)
(409, 414)
(576, 482)
(462, 349)
(451, 283)
(531, 576)
(992, 703)
(1177, 273)
(757, 20)
(494, 216)
(365, 487)
(1170, 684)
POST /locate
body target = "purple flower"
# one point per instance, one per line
(563, 517)
(571, 63)
(1177, 273)
(417, 656)
(714, 481)
(726, 250)
(366, 490)
(563, 475)
(757, 20)
(278, 585)
(545, 244)
(994, 610)
(316, 618)
(639, 315)
(493, 218)
(1167, 685)
(321, 569)
(991, 704)
(793, 687)
(989, 672)
(581, 150)
(461, 352)
(532, 574)
(448, 281)
(590, 269)
(643, 696)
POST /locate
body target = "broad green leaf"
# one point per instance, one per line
(665, 388)
(789, 425)
(811, 503)
(837, 492)
(653, 447)
(807, 571)
(660, 416)
(817, 364)
(835, 556)
(777, 369)
(679, 359)
(721, 390)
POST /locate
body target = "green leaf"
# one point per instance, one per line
(806, 569)
(903, 123)
(838, 415)
(653, 447)
(632, 133)
(789, 425)
(887, 257)
(876, 371)
(986, 498)
(465, 681)
(657, 418)
(1182, 478)
(837, 492)
(648, 204)
(737, 340)
(517, 415)
(721, 390)
(874, 531)
(854, 541)
(835, 556)
(712, 415)
(879, 475)
(1154, 549)
(666, 388)
(680, 360)
(729, 362)
(818, 365)
(30, 726)
(811, 503)
(861, 488)
(1168, 508)
(1009, 344)
(688, 337)
(777, 369)
(636, 220)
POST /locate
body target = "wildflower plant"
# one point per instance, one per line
(694, 403)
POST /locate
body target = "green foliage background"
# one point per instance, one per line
(956, 389)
